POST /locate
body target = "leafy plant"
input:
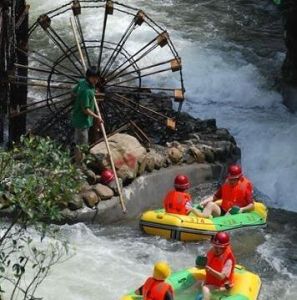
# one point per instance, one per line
(37, 179)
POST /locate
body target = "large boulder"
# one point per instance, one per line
(127, 154)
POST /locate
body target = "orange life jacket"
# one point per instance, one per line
(155, 289)
(235, 195)
(175, 202)
(217, 263)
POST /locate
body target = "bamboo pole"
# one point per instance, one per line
(101, 125)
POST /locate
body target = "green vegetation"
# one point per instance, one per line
(37, 179)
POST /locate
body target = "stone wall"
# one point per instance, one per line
(146, 192)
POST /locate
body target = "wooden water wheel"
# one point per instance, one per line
(140, 69)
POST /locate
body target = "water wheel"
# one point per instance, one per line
(140, 69)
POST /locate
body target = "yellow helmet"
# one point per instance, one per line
(161, 270)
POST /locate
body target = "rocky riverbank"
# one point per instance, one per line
(199, 146)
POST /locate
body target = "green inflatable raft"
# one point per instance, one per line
(184, 283)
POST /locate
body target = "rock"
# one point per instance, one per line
(113, 186)
(221, 154)
(159, 161)
(91, 176)
(189, 142)
(150, 160)
(104, 192)
(167, 162)
(197, 154)
(127, 154)
(223, 132)
(142, 166)
(98, 178)
(76, 203)
(62, 203)
(85, 187)
(126, 173)
(175, 155)
(188, 158)
(209, 155)
(195, 137)
(91, 199)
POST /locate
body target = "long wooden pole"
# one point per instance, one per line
(101, 124)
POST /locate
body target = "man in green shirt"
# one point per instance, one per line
(84, 107)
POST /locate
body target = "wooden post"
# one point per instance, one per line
(3, 86)
(18, 93)
(101, 125)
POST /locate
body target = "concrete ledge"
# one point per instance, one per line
(146, 192)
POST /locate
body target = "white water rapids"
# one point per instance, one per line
(221, 83)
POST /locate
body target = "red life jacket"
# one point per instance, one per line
(236, 195)
(217, 263)
(175, 202)
(155, 289)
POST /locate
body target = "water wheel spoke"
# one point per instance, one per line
(136, 22)
(146, 68)
(46, 64)
(39, 107)
(143, 94)
(56, 39)
(45, 100)
(141, 76)
(25, 78)
(55, 118)
(108, 11)
(140, 108)
(80, 32)
(45, 23)
(143, 88)
(150, 46)
(134, 108)
(41, 70)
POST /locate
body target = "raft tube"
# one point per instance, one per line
(192, 228)
(246, 285)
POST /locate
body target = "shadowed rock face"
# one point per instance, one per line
(290, 25)
(289, 69)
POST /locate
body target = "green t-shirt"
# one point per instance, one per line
(84, 98)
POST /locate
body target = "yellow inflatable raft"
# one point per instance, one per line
(192, 228)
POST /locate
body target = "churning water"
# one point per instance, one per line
(231, 52)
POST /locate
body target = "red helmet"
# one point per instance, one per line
(107, 176)
(234, 172)
(221, 239)
(181, 182)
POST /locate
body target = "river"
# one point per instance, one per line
(232, 53)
